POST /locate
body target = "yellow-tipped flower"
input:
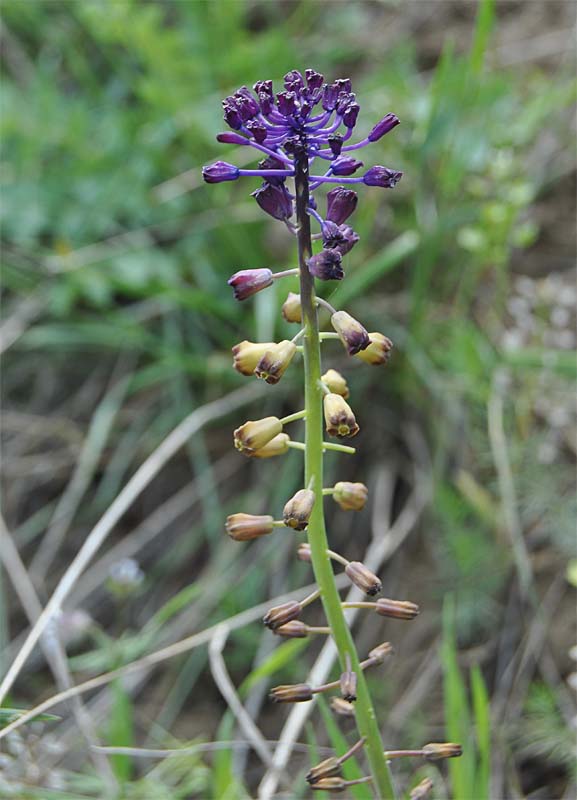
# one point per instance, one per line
(351, 333)
(379, 350)
(277, 446)
(437, 751)
(326, 769)
(363, 578)
(275, 361)
(297, 511)
(244, 527)
(291, 693)
(291, 308)
(246, 355)
(335, 382)
(422, 790)
(339, 418)
(334, 784)
(350, 496)
(253, 436)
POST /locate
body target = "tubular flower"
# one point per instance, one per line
(378, 351)
(280, 615)
(351, 333)
(350, 496)
(363, 578)
(326, 265)
(244, 527)
(253, 436)
(291, 308)
(397, 609)
(339, 418)
(250, 281)
(277, 446)
(341, 203)
(438, 751)
(295, 629)
(297, 511)
(246, 355)
(335, 383)
(291, 693)
(275, 361)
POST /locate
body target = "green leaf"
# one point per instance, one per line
(9, 715)
(121, 731)
(482, 713)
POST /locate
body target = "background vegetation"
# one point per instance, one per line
(117, 325)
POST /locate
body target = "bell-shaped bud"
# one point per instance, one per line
(287, 103)
(270, 163)
(314, 79)
(388, 122)
(379, 350)
(422, 790)
(304, 552)
(326, 265)
(291, 308)
(330, 96)
(334, 784)
(345, 165)
(382, 176)
(254, 435)
(244, 527)
(438, 751)
(341, 238)
(363, 578)
(274, 200)
(231, 114)
(326, 769)
(335, 383)
(280, 615)
(335, 141)
(350, 115)
(275, 361)
(246, 355)
(339, 418)
(277, 446)
(247, 282)
(228, 137)
(291, 693)
(397, 609)
(257, 130)
(351, 333)
(264, 87)
(294, 80)
(297, 511)
(295, 629)
(350, 496)
(381, 653)
(341, 203)
(220, 171)
(342, 707)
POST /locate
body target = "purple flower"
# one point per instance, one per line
(341, 203)
(387, 124)
(326, 265)
(345, 165)
(274, 200)
(339, 237)
(220, 171)
(268, 164)
(250, 281)
(228, 137)
(381, 176)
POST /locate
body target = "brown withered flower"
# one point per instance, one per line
(437, 751)
(295, 629)
(350, 496)
(342, 707)
(291, 693)
(275, 361)
(280, 615)
(397, 609)
(334, 784)
(246, 355)
(297, 511)
(379, 654)
(348, 683)
(339, 418)
(362, 577)
(277, 446)
(244, 527)
(291, 308)
(422, 790)
(379, 350)
(351, 333)
(326, 769)
(254, 435)
(335, 382)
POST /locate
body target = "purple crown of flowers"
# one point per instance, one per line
(312, 117)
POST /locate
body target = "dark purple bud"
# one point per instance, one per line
(257, 130)
(381, 176)
(343, 84)
(306, 108)
(345, 99)
(314, 79)
(263, 87)
(274, 200)
(272, 163)
(326, 265)
(247, 108)
(266, 103)
(228, 137)
(350, 115)
(292, 145)
(339, 237)
(286, 102)
(231, 114)
(336, 143)
(249, 281)
(294, 80)
(345, 165)
(388, 122)
(341, 203)
(330, 96)
(220, 171)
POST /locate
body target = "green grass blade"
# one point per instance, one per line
(482, 714)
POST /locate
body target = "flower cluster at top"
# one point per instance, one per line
(317, 119)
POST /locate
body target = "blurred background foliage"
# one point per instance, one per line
(118, 323)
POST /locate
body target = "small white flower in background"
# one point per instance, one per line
(124, 577)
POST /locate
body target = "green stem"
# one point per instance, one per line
(364, 711)
(293, 417)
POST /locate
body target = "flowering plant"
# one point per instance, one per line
(308, 121)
